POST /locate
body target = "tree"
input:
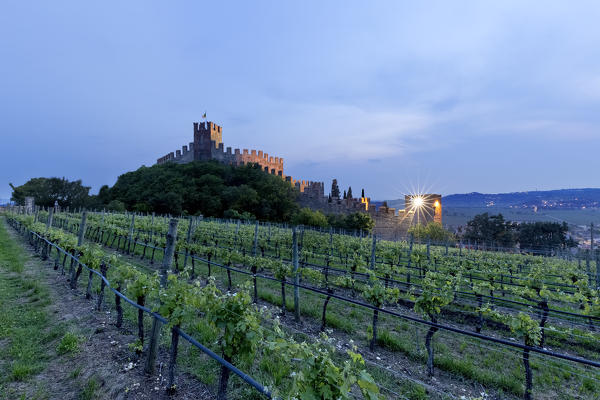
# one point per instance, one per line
(345, 196)
(167, 203)
(349, 195)
(308, 217)
(204, 187)
(335, 190)
(491, 230)
(358, 221)
(432, 230)
(544, 236)
(116, 205)
(46, 191)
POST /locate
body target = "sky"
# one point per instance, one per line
(389, 96)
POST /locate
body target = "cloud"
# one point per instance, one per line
(326, 132)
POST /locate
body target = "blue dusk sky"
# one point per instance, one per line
(448, 96)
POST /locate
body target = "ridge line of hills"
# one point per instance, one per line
(582, 198)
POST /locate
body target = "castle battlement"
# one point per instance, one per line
(208, 145)
(389, 223)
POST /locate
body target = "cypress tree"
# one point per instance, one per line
(335, 190)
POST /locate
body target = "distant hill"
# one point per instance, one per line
(562, 199)
(549, 199)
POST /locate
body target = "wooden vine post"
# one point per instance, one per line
(164, 270)
(152, 227)
(46, 246)
(296, 274)
(130, 239)
(254, 266)
(373, 248)
(187, 240)
(74, 273)
(596, 256)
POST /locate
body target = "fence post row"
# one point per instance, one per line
(591, 256)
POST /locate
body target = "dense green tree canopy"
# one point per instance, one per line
(495, 230)
(48, 190)
(433, 231)
(308, 217)
(544, 236)
(209, 188)
(354, 221)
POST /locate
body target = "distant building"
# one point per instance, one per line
(427, 207)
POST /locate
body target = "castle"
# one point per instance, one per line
(208, 145)
(389, 224)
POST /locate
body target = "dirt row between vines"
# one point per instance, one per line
(103, 366)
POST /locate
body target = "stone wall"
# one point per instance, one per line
(208, 145)
(389, 224)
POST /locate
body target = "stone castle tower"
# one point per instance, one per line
(208, 145)
(206, 136)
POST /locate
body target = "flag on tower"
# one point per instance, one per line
(204, 115)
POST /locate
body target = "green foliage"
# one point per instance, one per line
(521, 324)
(209, 188)
(141, 284)
(48, 190)
(236, 319)
(437, 292)
(281, 270)
(484, 228)
(120, 272)
(90, 389)
(544, 235)
(376, 294)
(358, 221)
(178, 301)
(308, 217)
(495, 230)
(316, 376)
(136, 346)
(68, 344)
(116, 205)
(433, 231)
(313, 276)
(92, 255)
(527, 327)
(234, 214)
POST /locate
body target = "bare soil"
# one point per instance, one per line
(104, 367)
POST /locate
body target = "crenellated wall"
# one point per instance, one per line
(208, 145)
(389, 224)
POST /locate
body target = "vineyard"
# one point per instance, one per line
(278, 312)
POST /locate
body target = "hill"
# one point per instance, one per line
(207, 187)
(551, 199)
(562, 199)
